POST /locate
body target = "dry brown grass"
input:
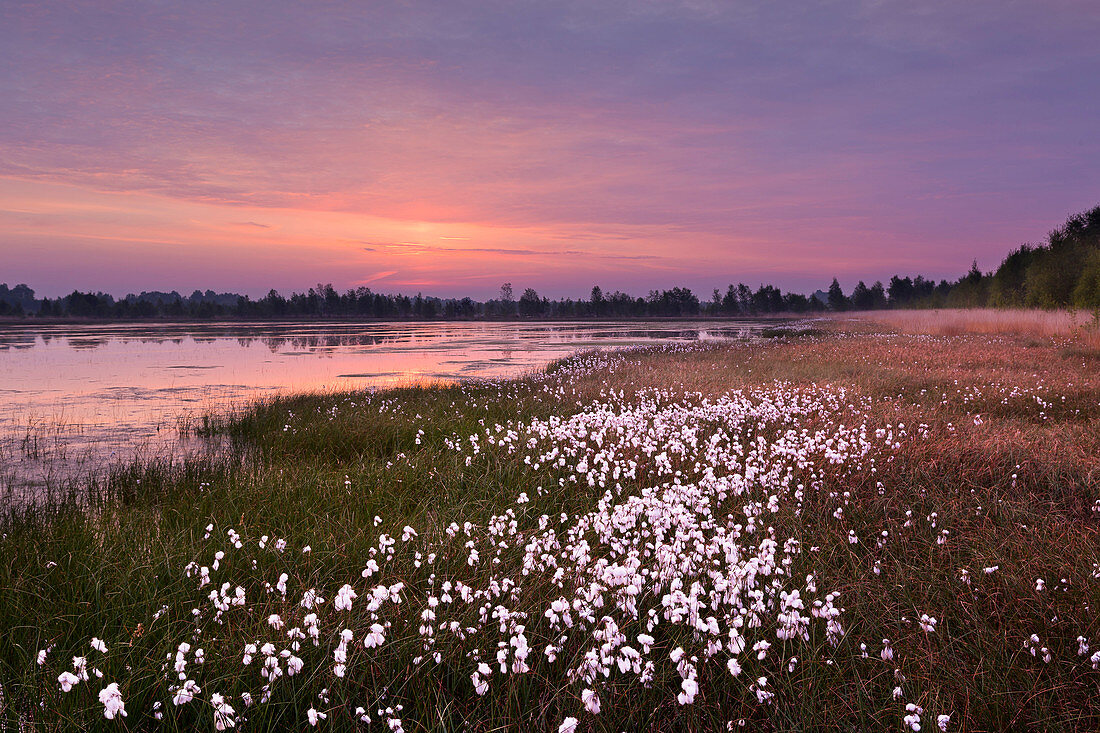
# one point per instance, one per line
(995, 401)
(1011, 467)
(954, 322)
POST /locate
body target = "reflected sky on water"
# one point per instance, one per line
(113, 389)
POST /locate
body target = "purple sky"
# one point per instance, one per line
(451, 146)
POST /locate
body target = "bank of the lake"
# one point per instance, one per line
(80, 396)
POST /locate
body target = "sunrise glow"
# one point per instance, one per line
(449, 148)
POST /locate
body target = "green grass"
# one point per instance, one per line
(317, 469)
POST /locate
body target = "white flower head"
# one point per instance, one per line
(112, 701)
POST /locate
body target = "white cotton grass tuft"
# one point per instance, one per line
(112, 702)
(569, 725)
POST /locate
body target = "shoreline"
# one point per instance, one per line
(32, 321)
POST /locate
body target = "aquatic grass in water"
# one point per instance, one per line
(790, 535)
(79, 395)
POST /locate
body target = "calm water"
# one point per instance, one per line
(81, 395)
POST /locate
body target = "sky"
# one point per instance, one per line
(448, 147)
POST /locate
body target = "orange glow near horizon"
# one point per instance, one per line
(95, 229)
(222, 245)
(451, 147)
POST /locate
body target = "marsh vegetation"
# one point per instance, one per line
(847, 528)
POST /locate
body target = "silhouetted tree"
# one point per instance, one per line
(597, 301)
(796, 303)
(837, 300)
(530, 304)
(861, 297)
(767, 299)
(868, 298)
(730, 303)
(878, 295)
(744, 298)
(19, 299)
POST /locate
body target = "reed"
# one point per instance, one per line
(1001, 321)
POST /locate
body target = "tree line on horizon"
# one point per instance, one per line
(1063, 272)
(324, 301)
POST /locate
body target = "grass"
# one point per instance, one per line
(1082, 326)
(1001, 448)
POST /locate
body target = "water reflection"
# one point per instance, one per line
(97, 391)
(310, 337)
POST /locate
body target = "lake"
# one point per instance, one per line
(78, 396)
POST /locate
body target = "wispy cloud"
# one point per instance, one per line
(720, 139)
(506, 251)
(376, 277)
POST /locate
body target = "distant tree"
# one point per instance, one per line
(1045, 276)
(923, 288)
(878, 295)
(900, 291)
(507, 301)
(729, 301)
(868, 298)
(273, 304)
(837, 300)
(530, 304)
(767, 299)
(744, 298)
(19, 299)
(861, 297)
(1053, 276)
(1086, 293)
(677, 302)
(1006, 286)
(312, 302)
(330, 297)
(796, 303)
(971, 291)
(87, 305)
(597, 301)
